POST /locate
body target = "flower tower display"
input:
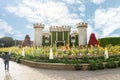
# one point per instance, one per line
(26, 42)
(93, 41)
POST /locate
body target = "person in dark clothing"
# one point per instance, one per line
(6, 58)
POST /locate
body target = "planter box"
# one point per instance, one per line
(84, 66)
(57, 66)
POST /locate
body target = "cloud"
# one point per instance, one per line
(107, 20)
(29, 27)
(89, 31)
(47, 12)
(5, 28)
(97, 1)
(114, 35)
(72, 1)
(82, 7)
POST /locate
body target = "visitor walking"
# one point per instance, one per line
(6, 58)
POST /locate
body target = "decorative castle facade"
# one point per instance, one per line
(60, 35)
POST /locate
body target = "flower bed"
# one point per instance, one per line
(77, 57)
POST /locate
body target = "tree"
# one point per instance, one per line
(6, 42)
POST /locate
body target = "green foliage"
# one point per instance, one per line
(53, 61)
(18, 42)
(1, 55)
(18, 59)
(60, 36)
(100, 65)
(76, 40)
(93, 65)
(111, 64)
(119, 63)
(66, 36)
(69, 52)
(77, 66)
(53, 37)
(85, 59)
(110, 40)
(66, 61)
(7, 41)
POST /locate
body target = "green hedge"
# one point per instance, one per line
(53, 37)
(110, 40)
(60, 36)
(66, 36)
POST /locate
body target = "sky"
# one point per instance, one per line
(18, 16)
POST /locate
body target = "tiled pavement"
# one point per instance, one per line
(22, 72)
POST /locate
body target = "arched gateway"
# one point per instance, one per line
(60, 35)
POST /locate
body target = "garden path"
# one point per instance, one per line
(22, 72)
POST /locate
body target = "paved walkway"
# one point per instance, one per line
(22, 72)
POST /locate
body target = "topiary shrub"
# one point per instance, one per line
(111, 64)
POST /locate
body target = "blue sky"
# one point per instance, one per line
(18, 16)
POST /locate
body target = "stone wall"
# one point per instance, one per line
(57, 66)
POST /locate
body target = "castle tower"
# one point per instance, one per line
(38, 33)
(82, 33)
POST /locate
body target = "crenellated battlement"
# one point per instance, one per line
(82, 24)
(38, 25)
(60, 28)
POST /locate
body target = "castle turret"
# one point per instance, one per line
(38, 33)
(82, 33)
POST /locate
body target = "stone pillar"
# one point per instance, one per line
(38, 33)
(82, 33)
